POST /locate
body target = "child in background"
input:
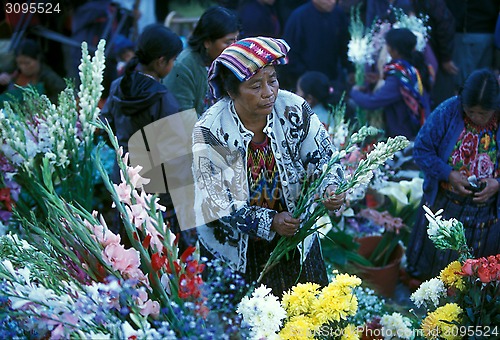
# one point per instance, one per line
(316, 89)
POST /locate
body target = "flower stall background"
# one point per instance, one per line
(65, 274)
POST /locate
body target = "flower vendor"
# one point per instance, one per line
(404, 95)
(251, 151)
(457, 150)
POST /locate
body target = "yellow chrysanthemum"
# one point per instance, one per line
(434, 325)
(300, 299)
(333, 306)
(350, 333)
(450, 276)
(298, 328)
(348, 280)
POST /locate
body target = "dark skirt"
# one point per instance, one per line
(482, 231)
(288, 272)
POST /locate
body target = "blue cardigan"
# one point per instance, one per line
(434, 144)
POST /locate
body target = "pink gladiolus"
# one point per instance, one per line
(137, 214)
(124, 191)
(121, 259)
(150, 308)
(136, 179)
(105, 236)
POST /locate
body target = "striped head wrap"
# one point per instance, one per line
(245, 57)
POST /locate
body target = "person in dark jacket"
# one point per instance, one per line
(259, 18)
(139, 98)
(318, 35)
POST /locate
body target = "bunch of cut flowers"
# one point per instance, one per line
(72, 277)
(360, 49)
(416, 24)
(309, 206)
(35, 129)
(306, 311)
(463, 302)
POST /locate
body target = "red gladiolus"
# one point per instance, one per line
(176, 266)
(189, 286)
(157, 261)
(5, 197)
(147, 241)
(188, 252)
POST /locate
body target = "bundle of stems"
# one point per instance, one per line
(310, 205)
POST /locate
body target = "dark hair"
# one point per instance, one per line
(216, 22)
(404, 41)
(481, 89)
(155, 41)
(29, 48)
(317, 85)
(228, 82)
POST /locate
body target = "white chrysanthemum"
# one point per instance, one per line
(429, 292)
(262, 312)
(396, 326)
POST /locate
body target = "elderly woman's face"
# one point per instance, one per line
(257, 94)
(478, 115)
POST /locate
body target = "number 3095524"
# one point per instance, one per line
(33, 8)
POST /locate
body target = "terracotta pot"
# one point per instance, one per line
(382, 279)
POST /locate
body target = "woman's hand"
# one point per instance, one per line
(284, 224)
(459, 183)
(332, 201)
(489, 190)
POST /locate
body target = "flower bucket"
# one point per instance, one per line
(382, 279)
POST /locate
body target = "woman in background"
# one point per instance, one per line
(404, 96)
(31, 70)
(217, 28)
(459, 142)
(139, 98)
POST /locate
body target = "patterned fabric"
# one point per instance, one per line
(220, 148)
(411, 87)
(475, 152)
(481, 231)
(263, 177)
(245, 57)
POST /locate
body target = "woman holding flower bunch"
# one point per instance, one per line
(404, 95)
(251, 152)
(457, 150)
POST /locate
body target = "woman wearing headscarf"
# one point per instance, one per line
(404, 96)
(217, 28)
(251, 151)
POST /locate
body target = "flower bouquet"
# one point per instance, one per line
(305, 311)
(360, 52)
(63, 135)
(416, 24)
(72, 277)
(463, 302)
(309, 207)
